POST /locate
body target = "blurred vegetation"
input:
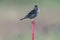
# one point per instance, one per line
(45, 2)
(45, 5)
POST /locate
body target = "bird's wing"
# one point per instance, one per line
(31, 12)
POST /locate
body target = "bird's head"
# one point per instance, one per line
(36, 6)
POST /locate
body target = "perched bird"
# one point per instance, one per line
(32, 14)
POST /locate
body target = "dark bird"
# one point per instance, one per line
(32, 14)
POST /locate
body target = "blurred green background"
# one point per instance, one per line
(47, 23)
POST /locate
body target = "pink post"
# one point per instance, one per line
(33, 29)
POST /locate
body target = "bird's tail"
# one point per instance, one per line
(23, 18)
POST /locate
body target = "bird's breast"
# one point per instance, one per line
(38, 10)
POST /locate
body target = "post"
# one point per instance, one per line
(33, 29)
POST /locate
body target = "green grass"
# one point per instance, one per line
(27, 36)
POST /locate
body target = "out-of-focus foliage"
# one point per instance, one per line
(11, 10)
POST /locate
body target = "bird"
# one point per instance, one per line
(33, 13)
